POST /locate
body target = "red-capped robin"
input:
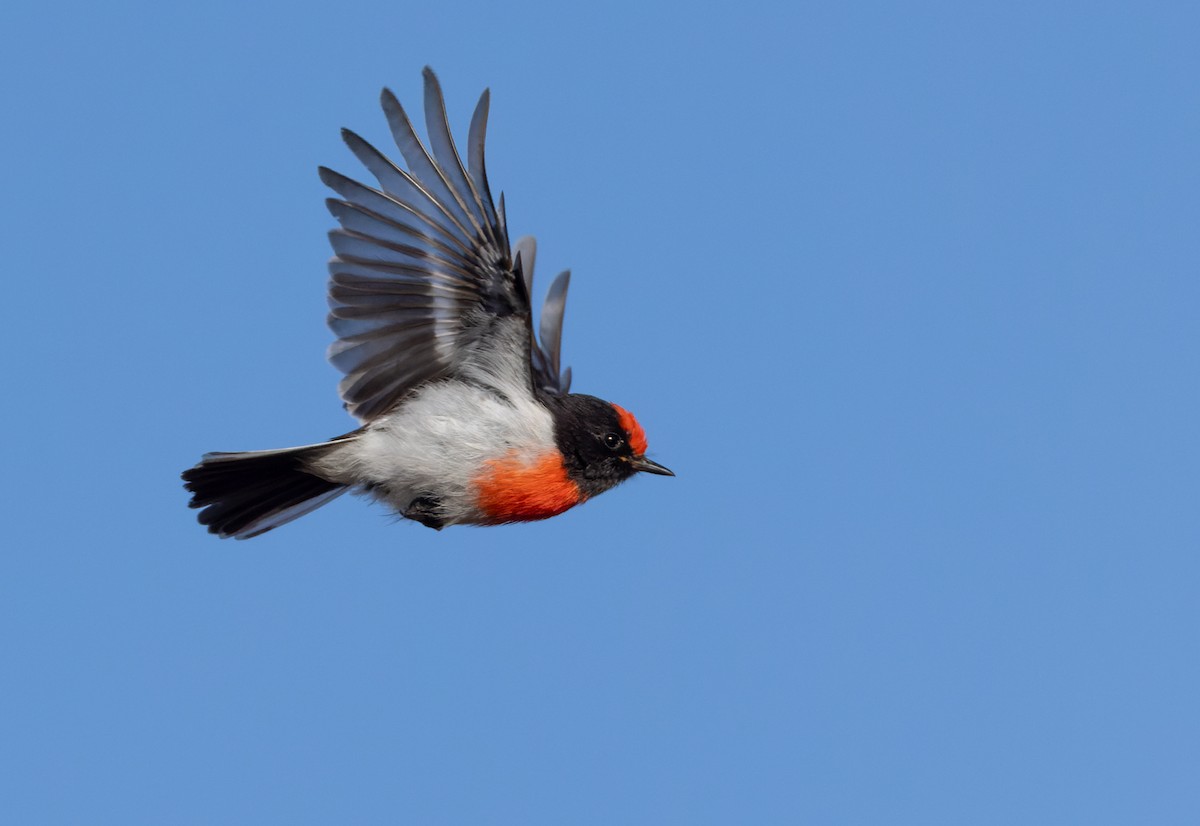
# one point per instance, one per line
(466, 417)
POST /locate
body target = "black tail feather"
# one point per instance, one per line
(247, 494)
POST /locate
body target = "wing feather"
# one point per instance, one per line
(422, 267)
(421, 226)
(360, 220)
(478, 169)
(424, 168)
(550, 327)
(351, 245)
(545, 354)
(446, 157)
(525, 258)
(407, 190)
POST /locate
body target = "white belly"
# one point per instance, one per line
(439, 441)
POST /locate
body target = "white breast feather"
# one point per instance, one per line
(443, 435)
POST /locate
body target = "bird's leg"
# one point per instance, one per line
(427, 510)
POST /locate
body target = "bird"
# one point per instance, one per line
(465, 415)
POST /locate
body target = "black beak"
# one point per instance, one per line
(649, 466)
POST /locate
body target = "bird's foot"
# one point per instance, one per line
(427, 510)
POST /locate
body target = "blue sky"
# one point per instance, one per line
(906, 294)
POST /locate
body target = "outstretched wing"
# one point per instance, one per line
(422, 265)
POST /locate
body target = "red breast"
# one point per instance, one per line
(514, 489)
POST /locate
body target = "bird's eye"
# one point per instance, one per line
(613, 442)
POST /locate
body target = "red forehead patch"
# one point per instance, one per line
(637, 436)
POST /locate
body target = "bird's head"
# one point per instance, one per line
(602, 443)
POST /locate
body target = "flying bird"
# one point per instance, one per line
(465, 414)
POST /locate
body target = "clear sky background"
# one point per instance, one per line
(906, 294)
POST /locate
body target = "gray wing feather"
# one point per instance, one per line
(405, 190)
(526, 257)
(360, 241)
(478, 169)
(416, 260)
(545, 355)
(446, 156)
(423, 230)
(550, 328)
(501, 219)
(422, 165)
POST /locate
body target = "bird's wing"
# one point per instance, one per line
(422, 265)
(545, 350)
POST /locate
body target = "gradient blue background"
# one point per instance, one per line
(907, 295)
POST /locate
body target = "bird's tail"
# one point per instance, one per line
(247, 494)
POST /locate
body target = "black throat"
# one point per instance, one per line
(581, 423)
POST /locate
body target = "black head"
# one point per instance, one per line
(602, 444)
